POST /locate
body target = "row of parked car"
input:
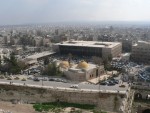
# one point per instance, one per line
(50, 79)
(123, 65)
(144, 73)
(110, 82)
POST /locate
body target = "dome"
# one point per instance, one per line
(64, 64)
(5, 51)
(83, 64)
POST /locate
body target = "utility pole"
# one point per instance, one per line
(42, 80)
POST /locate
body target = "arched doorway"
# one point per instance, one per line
(146, 111)
(138, 96)
(148, 97)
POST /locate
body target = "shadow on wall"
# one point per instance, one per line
(146, 111)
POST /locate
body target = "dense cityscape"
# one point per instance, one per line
(74, 56)
(112, 60)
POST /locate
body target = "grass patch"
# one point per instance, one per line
(55, 106)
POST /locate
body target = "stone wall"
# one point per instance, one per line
(106, 101)
(142, 90)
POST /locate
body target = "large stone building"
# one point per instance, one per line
(82, 71)
(89, 48)
(141, 52)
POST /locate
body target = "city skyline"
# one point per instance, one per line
(45, 11)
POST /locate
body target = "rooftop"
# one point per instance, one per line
(90, 44)
(141, 43)
(83, 67)
(39, 55)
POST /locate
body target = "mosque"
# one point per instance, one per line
(82, 71)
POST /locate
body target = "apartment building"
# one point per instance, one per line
(141, 52)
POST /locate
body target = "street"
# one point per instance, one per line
(54, 84)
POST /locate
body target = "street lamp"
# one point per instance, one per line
(42, 80)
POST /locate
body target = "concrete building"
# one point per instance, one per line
(4, 52)
(141, 52)
(89, 48)
(33, 59)
(126, 45)
(18, 50)
(82, 71)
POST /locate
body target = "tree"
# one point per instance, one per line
(12, 65)
(46, 61)
(24, 47)
(70, 57)
(106, 63)
(26, 40)
(0, 62)
(110, 58)
(33, 42)
(39, 33)
(5, 40)
(97, 60)
(12, 41)
(42, 42)
(51, 70)
(22, 65)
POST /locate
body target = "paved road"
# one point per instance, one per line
(67, 85)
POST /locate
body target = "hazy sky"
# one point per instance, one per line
(44, 11)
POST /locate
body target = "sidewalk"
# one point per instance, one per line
(96, 80)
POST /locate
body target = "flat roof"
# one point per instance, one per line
(141, 42)
(39, 55)
(90, 44)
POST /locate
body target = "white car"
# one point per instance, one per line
(74, 86)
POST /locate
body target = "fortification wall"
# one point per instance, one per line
(26, 94)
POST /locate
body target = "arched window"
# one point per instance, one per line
(138, 96)
(148, 97)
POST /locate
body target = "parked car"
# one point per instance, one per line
(2, 77)
(64, 81)
(24, 79)
(9, 78)
(44, 79)
(103, 83)
(36, 79)
(114, 81)
(30, 78)
(51, 79)
(74, 86)
(58, 80)
(110, 84)
(16, 78)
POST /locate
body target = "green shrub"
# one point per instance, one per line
(56, 106)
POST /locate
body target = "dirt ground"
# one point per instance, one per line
(16, 108)
(25, 108)
(28, 108)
